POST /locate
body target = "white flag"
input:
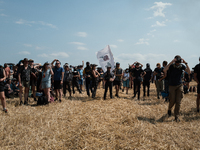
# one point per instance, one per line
(105, 58)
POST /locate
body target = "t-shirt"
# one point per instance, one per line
(175, 73)
(58, 73)
(118, 71)
(87, 70)
(126, 76)
(197, 71)
(108, 75)
(148, 74)
(46, 76)
(81, 73)
(68, 75)
(158, 71)
(33, 70)
(25, 73)
(136, 72)
(75, 73)
(1, 76)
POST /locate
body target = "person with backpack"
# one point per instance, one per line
(147, 79)
(197, 79)
(47, 72)
(118, 75)
(58, 78)
(24, 81)
(176, 68)
(87, 74)
(108, 80)
(2, 94)
(158, 72)
(67, 80)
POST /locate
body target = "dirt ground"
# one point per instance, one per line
(86, 123)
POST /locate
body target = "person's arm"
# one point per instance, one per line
(94, 74)
(51, 72)
(4, 76)
(83, 63)
(144, 73)
(62, 77)
(167, 67)
(52, 63)
(187, 67)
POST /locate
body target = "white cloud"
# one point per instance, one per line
(82, 34)
(77, 43)
(153, 30)
(150, 18)
(142, 41)
(159, 24)
(24, 53)
(60, 54)
(39, 48)
(113, 46)
(150, 33)
(27, 45)
(43, 55)
(176, 41)
(3, 15)
(30, 23)
(159, 7)
(120, 40)
(81, 48)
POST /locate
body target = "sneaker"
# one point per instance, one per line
(59, 100)
(56, 99)
(21, 103)
(169, 113)
(25, 102)
(122, 90)
(35, 99)
(158, 97)
(5, 110)
(134, 96)
(198, 110)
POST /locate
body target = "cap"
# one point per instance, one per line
(148, 65)
(117, 63)
(25, 59)
(31, 60)
(94, 65)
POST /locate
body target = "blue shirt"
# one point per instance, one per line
(46, 76)
(58, 73)
(81, 73)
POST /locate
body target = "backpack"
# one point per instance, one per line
(42, 100)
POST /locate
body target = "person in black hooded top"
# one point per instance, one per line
(147, 79)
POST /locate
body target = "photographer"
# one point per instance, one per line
(58, 78)
(175, 84)
(108, 80)
(87, 74)
(147, 79)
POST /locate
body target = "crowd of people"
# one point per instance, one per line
(53, 80)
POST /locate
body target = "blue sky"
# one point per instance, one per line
(74, 30)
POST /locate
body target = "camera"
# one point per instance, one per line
(178, 60)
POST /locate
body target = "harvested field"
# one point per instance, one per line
(84, 123)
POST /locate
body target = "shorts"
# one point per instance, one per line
(80, 81)
(46, 84)
(116, 82)
(57, 85)
(1, 86)
(25, 84)
(126, 83)
(33, 83)
(198, 88)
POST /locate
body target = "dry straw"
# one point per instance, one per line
(84, 123)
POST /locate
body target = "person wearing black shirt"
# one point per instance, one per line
(67, 80)
(2, 93)
(147, 79)
(94, 78)
(118, 76)
(158, 72)
(76, 76)
(108, 80)
(137, 73)
(24, 80)
(197, 79)
(176, 68)
(87, 74)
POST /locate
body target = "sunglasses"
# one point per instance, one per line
(57, 63)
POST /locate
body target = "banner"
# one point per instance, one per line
(105, 58)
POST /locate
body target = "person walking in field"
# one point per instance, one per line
(158, 72)
(108, 80)
(94, 78)
(126, 79)
(87, 74)
(176, 68)
(118, 75)
(33, 79)
(2, 94)
(58, 78)
(24, 81)
(197, 79)
(67, 80)
(7, 70)
(147, 79)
